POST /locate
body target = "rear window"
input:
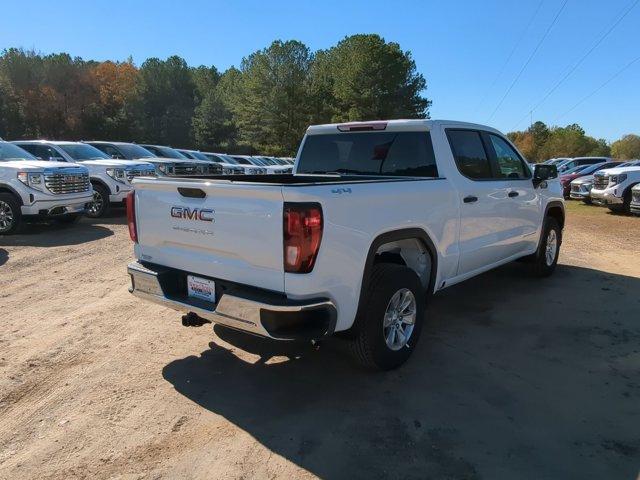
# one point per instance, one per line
(369, 153)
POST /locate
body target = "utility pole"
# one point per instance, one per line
(530, 118)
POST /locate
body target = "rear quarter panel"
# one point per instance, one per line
(354, 215)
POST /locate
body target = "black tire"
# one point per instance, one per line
(540, 265)
(69, 219)
(10, 214)
(100, 203)
(587, 201)
(369, 345)
(626, 202)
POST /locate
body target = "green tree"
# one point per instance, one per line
(165, 101)
(270, 101)
(213, 125)
(627, 148)
(365, 78)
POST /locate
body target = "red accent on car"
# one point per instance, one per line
(131, 216)
(362, 127)
(302, 235)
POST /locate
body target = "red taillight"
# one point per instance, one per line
(302, 236)
(131, 216)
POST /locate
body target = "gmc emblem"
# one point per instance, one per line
(186, 213)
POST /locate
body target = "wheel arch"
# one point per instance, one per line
(392, 237)
(7, 189)
(99, 181)
(556, 210)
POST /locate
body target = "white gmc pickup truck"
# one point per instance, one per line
(376, 217)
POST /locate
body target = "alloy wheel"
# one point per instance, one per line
(399, 319)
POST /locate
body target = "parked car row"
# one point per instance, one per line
(63, 180)
(601, 181)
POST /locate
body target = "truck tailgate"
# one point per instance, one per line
(234, 232)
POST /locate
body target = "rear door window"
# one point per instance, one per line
(404, 154)
(469, 153)
(508, 162)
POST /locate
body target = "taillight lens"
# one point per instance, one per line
(131, 216)
(302, 236)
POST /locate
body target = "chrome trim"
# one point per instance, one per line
(61, 181)
(232, 310)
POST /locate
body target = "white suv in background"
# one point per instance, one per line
(34, 189)
(612, 188)
(110, 178)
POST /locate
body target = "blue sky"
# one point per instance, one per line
(460, 47)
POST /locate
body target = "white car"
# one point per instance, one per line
(110, 178)
(226, 167)
(612, 188)
(165, 166)
(36, 189)
(376, 217)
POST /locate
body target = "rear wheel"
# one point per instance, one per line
(546, 258)
(10, 214)
(389, 325)
(100, 202)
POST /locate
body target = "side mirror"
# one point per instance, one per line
(543, 173)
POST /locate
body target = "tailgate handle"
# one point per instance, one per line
(191, 192)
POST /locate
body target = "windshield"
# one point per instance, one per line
(242, 161)
(131, 150)
(9, 151)
(82, 151)
(369, 153)
(267, 161)
(575, 169)
(169, 152)
(199, 155)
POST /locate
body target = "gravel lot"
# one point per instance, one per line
(514, 378)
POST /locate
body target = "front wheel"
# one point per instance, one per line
(389, 325)
(10, 214)
(100, 202)
(546, 258)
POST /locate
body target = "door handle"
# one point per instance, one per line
(513, 194)
(470, 199)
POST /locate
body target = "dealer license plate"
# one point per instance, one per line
(201, 288)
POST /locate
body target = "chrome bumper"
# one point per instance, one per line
(605, 198)
(279, 319)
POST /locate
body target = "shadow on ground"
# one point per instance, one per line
(4, 256)
(54, 234)
(514, 377)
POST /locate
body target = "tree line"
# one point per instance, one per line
(263, 106)
(540, 142)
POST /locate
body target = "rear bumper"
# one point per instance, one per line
(249, 309)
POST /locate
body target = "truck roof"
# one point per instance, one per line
(415, 125)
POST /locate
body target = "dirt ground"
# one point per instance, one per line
(514, 377)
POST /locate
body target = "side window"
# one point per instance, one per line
(112, 152)
(509, 163)
(33, 150)
(409, 154)
(469, 153)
